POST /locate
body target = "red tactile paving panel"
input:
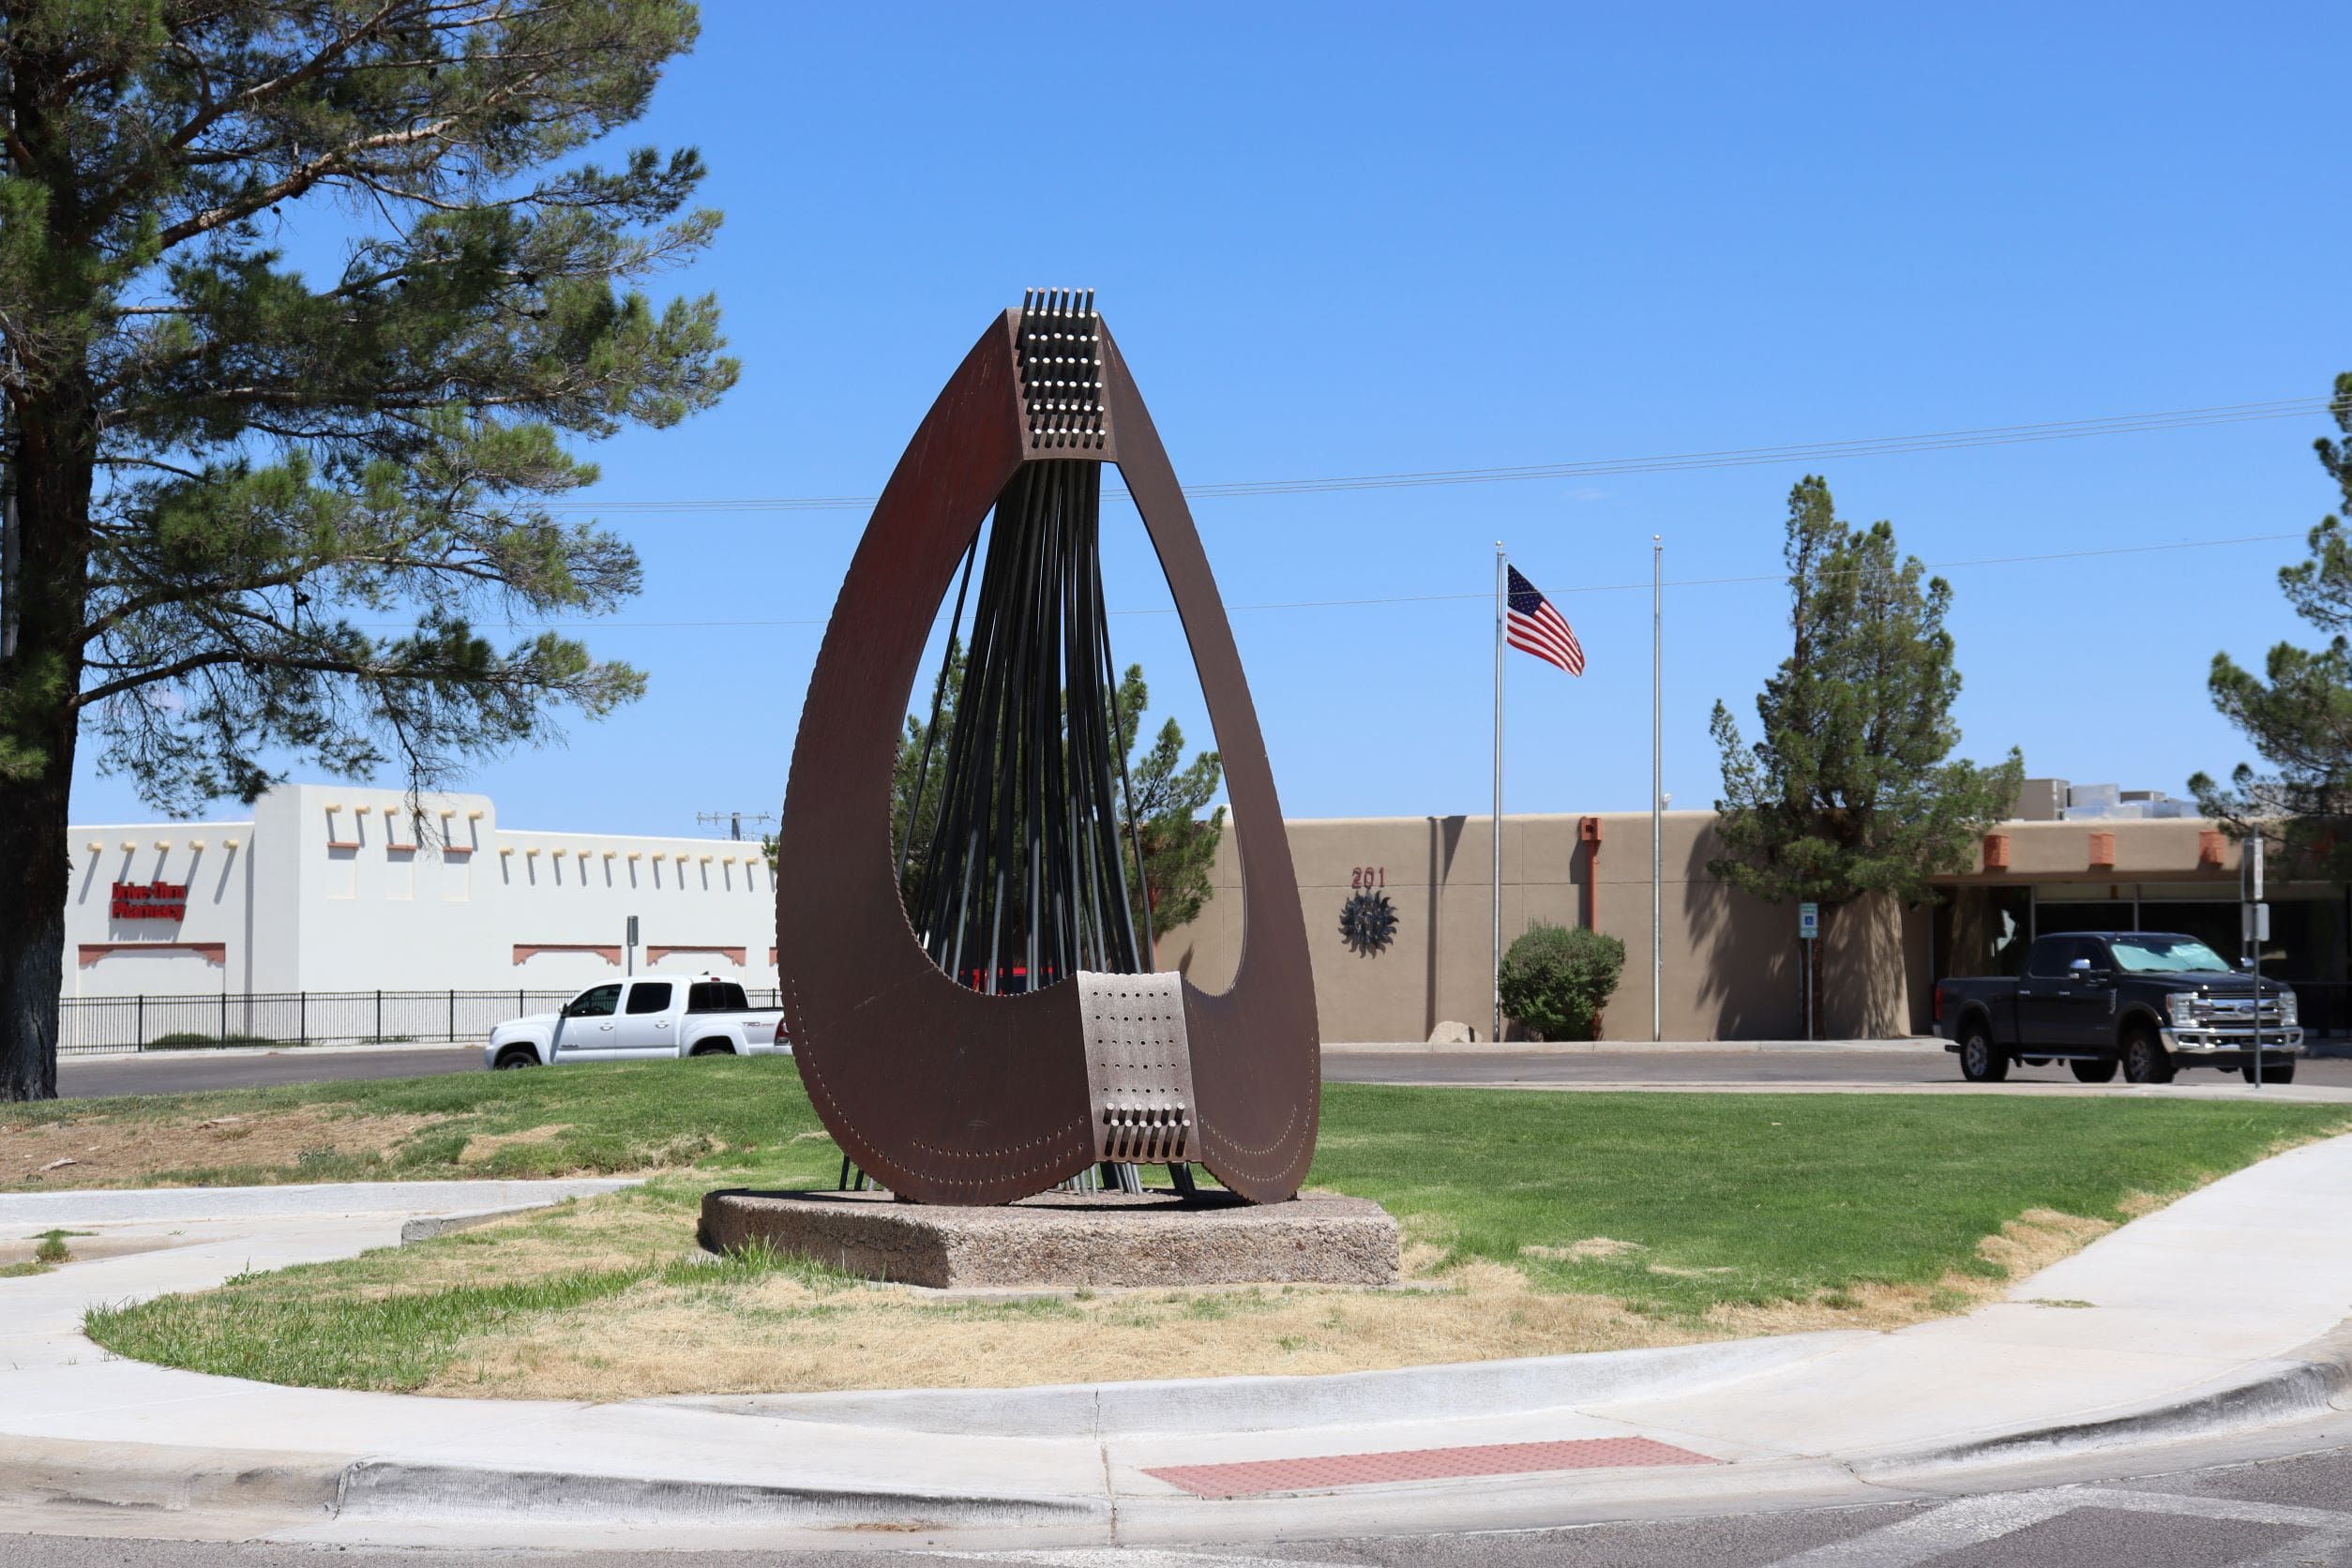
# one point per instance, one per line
(1254, 1476)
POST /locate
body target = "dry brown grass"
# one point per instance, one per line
(108, 1152)
(2031, 1242)
(483, 1147)
(782, 1332)
(1585, 1250)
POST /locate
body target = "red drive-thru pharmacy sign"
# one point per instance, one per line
(150, 901)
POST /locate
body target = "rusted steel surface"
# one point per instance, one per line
(944, 1094)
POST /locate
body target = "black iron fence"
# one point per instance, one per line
(112, 1025)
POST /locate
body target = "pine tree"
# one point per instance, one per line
(1178, 830)
(2298, 713)
(224, 468)
(1851, 788)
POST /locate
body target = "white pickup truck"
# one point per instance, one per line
(634, 1020)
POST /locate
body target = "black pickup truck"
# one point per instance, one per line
(2148, 1002)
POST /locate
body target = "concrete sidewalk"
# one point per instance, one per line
(1915, 1043)
(2220, 1313)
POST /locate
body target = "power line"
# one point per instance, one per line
(1487, 594)
(1740, 456)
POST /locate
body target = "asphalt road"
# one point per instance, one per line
(180, 1072)
(2280, 1513)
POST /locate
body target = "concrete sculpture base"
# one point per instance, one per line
(1068, 1238)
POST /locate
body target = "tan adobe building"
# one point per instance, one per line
(1730, 959)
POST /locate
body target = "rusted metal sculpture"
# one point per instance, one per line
(933, 1075)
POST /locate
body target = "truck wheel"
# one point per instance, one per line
(2094, 1071)
(1980, 1060)
(2275, 1070)
(712, 1047)
(515, 1056)
(2145, 1059)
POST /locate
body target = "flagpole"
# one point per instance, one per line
(1497, 971)
(1657, 781)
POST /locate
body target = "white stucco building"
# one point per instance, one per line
(339, 888)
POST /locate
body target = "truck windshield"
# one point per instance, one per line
(2143, 954)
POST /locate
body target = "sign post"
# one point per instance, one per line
(632, 946)
(2258, 931)
(1808, 932)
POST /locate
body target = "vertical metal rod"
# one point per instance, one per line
(1657, 784)
(1025, 866)
(939, 696)
(1495, 972)
(1149, 956)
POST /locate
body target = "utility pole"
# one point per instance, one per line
(1657, 785)
(1495, 970)
(735, 821)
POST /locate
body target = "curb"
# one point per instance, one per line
(287, 1047)
(2312, 1380)
(159, 1479)
(385, 1490)
(162, 1478)
(426, 1228)
(1185, 1406)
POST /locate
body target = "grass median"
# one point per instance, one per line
(1539, 1223)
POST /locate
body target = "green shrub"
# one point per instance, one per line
(1555, 978)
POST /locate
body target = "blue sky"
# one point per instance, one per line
(1366, 240)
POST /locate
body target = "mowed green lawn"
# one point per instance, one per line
(1754, 1199)
(1727, 1199)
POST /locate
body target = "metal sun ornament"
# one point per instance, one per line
(1367, 922)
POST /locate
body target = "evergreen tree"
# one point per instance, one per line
(2298, 713)
(1851, 788)
(1180, 843)
(221, 466)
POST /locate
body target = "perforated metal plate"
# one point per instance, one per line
(1139, 1067)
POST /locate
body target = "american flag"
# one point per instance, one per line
(1533, 627)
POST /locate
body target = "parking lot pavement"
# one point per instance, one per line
(182, 1072)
